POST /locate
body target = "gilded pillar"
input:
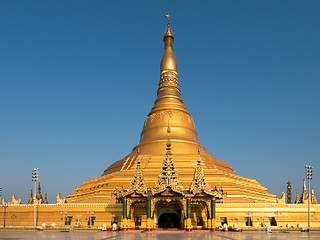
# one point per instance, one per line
(213, 214)
(125, 217)
(129, 223)
(188, 224)
(124, 209)
(149, 218)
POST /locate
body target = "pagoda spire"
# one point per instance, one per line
(168, 140)
(168, 104)
(168, 85)
(45, 199)
(168, 61)
(168, 176)
(304, 195)
(289, 192)
(168, 31)
(38, 195)
(138, 183)
(313, 197)
(39, 187)
(199, 182)
(30, 201)
(297, 198)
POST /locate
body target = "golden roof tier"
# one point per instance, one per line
(169, 107)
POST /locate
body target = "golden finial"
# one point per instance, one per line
(168, 31)
(168, 129)
(45, 199)
(39, 187)
(138, 151)
(199, 159)
(168, 61)
(168, 16)
(168, 141)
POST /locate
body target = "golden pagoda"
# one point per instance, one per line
(169, 107)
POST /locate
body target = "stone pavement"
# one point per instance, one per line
(170, 235)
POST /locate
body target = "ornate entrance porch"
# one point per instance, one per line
(168, 203)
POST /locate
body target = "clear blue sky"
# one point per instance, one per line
(78, 78)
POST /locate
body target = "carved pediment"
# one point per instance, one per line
(135, 195)
(202, 194)
(168, 192)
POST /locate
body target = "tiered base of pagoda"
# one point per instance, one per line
(218, 174)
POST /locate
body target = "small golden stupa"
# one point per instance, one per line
(169, 107)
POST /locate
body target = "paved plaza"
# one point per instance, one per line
(35, 235)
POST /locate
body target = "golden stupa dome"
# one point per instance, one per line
(169, 107)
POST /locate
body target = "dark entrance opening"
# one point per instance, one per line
(248, 221)
(169, 220)
(273, 221)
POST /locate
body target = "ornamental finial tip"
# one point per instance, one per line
(138, 160)
(168, 140)
(168, 129)
(168, 16)
(168, 31)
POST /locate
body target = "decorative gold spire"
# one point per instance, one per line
(168, 104)
(297, 199)
(168, 61)
(45, 199)
(168, 85)
(138, 183)
(199, 182)
(168, 140)
(168, 31)
(39, 196)
(138, 158)
(30, 201)
(304, 195)
(39, 187)
(313, 197)
(168, 176)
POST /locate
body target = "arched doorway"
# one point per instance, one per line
(168, 215)
(169, 220)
